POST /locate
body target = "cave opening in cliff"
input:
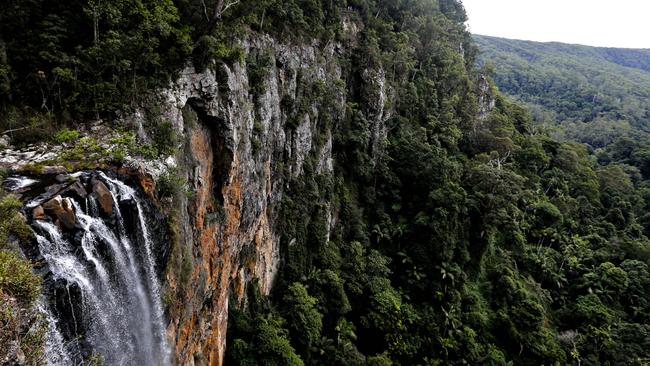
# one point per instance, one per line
(222, 154)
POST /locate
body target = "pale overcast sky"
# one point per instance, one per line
(607, 23)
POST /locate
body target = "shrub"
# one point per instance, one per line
(304, 321)
(379, 360)
(170, 184)
(11, 221)
(17, 278)
(66, 136)
(165, 138)
(209, 48)
(24, 327)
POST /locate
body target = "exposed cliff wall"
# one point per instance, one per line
(395, 206)
(245, 130)
(246, 127)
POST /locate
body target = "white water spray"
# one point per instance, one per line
(115, 273)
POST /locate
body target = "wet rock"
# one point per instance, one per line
(66, 302)
(54, 204)
(78, 237)
(56, 169)
(147, 185)
(104, 196)
(77, 189)
(68, 218)
(48, 194)
(5, 141)
(61, 209)
(18, 183)
(38, 213)
(54, 189)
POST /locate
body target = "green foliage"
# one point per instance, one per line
(19, 288)
(448, 233)
(303, 319)
(165, 138)
(66, 136)
(17, 278)
(458, 239)
(85, 149)
(209, 48)
(261, 339)
(171, 184)
(572, 83)
(89, 57)
(22, 329)
(11, 222)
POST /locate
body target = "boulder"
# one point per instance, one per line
(38, 213)
(104, 196)
(5, 141)
(54, 203)
(147, 184)
(62, 210)
(78, 189)
(54, 169)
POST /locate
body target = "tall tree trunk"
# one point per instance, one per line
(216, 14)
(220, 7)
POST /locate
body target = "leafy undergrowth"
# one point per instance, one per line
(22, 325)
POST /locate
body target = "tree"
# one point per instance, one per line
(303, 319)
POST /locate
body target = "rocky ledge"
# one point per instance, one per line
(41, 154)
(52, 197)
(97, 147)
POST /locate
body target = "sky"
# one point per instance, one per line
(605, 23)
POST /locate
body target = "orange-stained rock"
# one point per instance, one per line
(236, 191)
(104, 196)
(62, 211)
(148, 185)
(144, 179)
(38, 213)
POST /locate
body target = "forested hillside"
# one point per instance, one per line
(576, 82)
(595, 96)
(568, 84)
(450, 230)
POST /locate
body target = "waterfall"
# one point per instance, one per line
(112, 266)
(56, 353)
(18, 182)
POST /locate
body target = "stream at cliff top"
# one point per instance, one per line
(101, 289)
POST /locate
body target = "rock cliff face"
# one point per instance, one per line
(247, 127)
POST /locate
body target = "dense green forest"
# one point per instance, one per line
(469, 242)
(578, 87)
(465, 241)
(572, 82)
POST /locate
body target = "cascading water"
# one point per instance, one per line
(106, 263)
(55, 353)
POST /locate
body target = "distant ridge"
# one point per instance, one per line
(630, 57)
(572, 83)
